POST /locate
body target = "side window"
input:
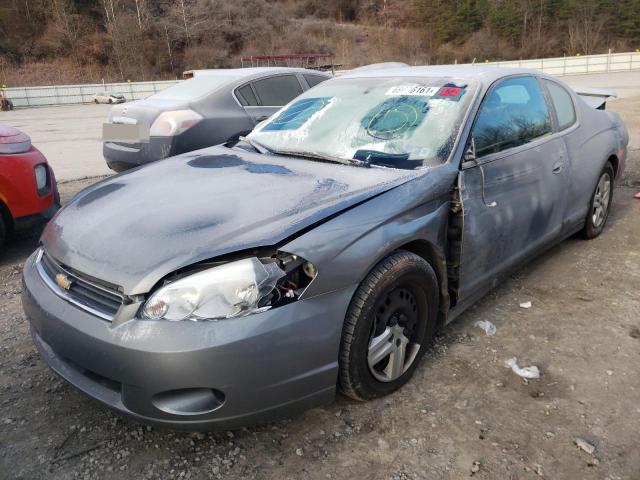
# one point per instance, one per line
(563, 104)
(246, 96)
(513, 113)
(277, 91)
(314, 80)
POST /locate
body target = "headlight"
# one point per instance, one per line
(173, 123)
(225, 291)
(41, 177)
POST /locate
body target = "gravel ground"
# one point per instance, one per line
(464, 413)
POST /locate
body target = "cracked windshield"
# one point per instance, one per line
(404, 123)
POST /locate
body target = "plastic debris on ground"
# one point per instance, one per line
(488, 327)
(583, 445)
(525, 372)
(525, 305)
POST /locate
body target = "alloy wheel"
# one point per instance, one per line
(392, 349)
(601, 200)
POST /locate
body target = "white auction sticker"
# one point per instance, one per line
(418, 90)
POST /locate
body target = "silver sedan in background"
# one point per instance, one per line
(213, 107)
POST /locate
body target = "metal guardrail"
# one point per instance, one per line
(73, 94)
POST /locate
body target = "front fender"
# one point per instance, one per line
(347, 247)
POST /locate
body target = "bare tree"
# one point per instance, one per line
(184, 19)
(585, 28)
(166, 33)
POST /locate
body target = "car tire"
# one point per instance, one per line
(3, 230)
(600, 204)
(110, 101)
(393, 310)
(96, 100)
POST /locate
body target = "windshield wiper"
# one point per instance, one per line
(384, 159)
(313, 156)
(259, 147)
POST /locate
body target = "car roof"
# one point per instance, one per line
(258, 71)
(483, 73)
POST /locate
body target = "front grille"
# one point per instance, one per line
(87, 293)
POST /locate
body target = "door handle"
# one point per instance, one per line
(557, 168)
(263, 117)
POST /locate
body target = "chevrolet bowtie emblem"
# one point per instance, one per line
(63, 281)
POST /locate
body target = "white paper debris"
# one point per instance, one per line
(525, 305)
(524, 372)
(488, 327)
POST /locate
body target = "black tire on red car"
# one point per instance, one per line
(3, 230)
(600, 204)
(389, 325)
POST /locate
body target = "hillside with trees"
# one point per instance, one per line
(80, 41)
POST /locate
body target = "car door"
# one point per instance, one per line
(514, 191)
(579, 171)
(262, 98)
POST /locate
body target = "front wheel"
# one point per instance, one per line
(389, 324)
(600, 204)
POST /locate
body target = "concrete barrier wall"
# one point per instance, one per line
(74, 94)
(607, 62)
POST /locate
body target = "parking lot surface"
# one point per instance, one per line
(69, 136)
(464, 413)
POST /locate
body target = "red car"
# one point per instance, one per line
(28, 192)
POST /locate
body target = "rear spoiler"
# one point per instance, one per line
(595, 97)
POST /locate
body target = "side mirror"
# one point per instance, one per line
(470, 153)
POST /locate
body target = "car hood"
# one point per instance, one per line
(132, 229)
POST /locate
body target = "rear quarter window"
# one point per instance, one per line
(246, 96)
(563, 105)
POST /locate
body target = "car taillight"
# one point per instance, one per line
(18, 143)
(173, 123)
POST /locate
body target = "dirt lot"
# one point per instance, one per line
(464, 414)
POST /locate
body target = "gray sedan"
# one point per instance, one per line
(214, 107)
(243, 282)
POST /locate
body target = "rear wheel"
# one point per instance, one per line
(389, 324)
(600, 204)
(96, 100)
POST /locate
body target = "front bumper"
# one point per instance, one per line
(31, 221)
(193, 375)
(28, 222)
(120, 157)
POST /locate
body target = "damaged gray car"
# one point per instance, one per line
(243, 282)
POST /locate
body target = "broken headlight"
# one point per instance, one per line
(230, 289)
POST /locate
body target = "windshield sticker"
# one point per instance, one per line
(451, 92)
(297, 114)
(394, 117)
(414, 90)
